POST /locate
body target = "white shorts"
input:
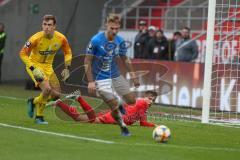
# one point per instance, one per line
(110, 88)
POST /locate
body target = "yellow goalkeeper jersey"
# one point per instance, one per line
(43, 50)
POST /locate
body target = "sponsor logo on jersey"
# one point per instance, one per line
(90, 48)
(47, 52)
(28, 44)
(110, 47)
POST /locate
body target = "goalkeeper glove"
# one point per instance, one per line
(65, 74)
(37, 74)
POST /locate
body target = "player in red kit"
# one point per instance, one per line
(135, 113)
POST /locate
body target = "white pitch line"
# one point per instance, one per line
(13, 98)
(56, 134)
(112, 142)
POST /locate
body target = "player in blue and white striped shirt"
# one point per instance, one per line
(102, 70)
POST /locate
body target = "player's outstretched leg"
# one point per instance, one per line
(31, 107)
(87, 109)
(71, 111)
(118, 118)
(112, 102)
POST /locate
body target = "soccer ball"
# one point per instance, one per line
(161, 133)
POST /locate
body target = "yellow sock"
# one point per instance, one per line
(40, 109)
(40, 103)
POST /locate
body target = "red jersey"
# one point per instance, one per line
(133, 114)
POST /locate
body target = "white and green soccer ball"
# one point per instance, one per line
(161, 134)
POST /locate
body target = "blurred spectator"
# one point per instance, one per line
(186, 48)
(151, 32)
(157, 47)
(172, 44)
(140, 39)
(150, 35)
(2, 44)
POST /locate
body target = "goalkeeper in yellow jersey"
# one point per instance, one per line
(38, 54)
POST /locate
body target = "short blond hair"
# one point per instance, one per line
(114, 18)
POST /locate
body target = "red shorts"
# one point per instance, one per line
(106, 118)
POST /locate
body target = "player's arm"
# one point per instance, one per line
(127, 62)
(142, 107)
(88, 68)
(144, 122)
(67, 52)
(25, 51)
(128, 65)
(24, 55)
(67, 59)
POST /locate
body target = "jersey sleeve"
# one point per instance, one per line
(91, 48)
(26, 50)
(67, 52)
(143, 120)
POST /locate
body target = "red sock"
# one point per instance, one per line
(71, 111)
(87, 109)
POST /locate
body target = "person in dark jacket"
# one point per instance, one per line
(3, 37)
(172, 44)
(186, 48)
(140, 39)
(157, 47)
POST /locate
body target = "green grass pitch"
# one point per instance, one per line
(67, 140)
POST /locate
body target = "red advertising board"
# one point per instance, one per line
(181, 83)
(178, 83)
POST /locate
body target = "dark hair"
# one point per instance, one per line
(114, 18)
(160, 30)
(177, 33)
(48, 17)
(187, 28)
(153, 93)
